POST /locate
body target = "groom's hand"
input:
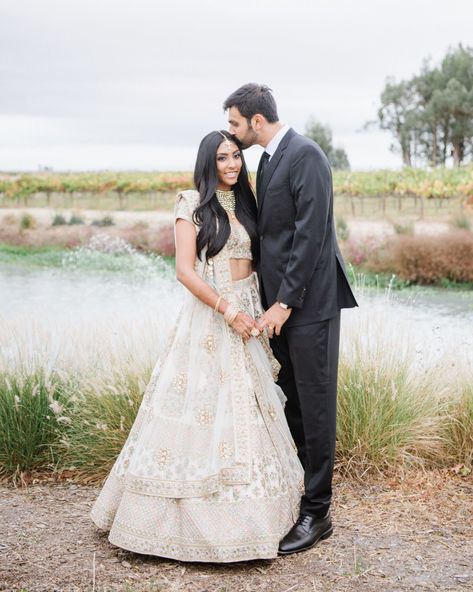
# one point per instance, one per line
(244, 324)
(273, 319)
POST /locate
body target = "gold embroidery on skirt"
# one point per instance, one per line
(179, 382)
(225, 450)
(209, 342)
(223, 376)
(162, 456)
(205, 416)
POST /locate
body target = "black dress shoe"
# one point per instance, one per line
(305, 533)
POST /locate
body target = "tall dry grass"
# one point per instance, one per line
(457, 426)
(101, 419)
(68, 396)
(61, 384)
(388, 414)
(32, 419)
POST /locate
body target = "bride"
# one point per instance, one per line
(209, 471)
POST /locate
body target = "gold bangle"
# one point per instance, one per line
(217, 304)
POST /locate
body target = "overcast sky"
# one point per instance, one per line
(94, 84)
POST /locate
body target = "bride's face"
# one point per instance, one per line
(228, 160)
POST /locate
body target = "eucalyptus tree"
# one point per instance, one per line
(457, 70)
(397, 114)
(431, 115)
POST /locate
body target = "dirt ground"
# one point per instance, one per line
(43, 217)
(412, 533)
(145, 230)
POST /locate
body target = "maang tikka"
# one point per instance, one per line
(226, 140)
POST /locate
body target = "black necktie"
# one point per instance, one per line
(263, 163)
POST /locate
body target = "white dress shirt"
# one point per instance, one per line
(274, 143)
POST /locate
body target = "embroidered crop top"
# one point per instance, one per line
(238, 243)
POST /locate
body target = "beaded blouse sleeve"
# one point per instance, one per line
(186, 203)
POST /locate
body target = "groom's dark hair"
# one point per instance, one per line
(251, 99)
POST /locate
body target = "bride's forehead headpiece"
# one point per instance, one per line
(225, 140)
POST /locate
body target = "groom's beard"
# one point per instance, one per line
(249, 139)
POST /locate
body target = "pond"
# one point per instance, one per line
(126, 293)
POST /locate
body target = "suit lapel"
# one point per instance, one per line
(272, 166)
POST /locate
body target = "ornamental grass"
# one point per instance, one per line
(100, 420)
(457, 426)
(388, 415)
(68, 399)
(32, 419)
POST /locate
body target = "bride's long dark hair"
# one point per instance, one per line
(210, 215)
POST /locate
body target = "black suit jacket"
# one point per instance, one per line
(300, 262)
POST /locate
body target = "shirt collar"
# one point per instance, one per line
(274, 143)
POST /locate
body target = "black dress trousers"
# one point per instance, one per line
(308, 355)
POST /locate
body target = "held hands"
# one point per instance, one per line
(273, 319)
(245, 325)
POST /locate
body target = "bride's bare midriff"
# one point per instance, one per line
(240, 268)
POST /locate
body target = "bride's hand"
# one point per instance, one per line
(244, 325)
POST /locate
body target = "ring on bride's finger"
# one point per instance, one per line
(254, 332)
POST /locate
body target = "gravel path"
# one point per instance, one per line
(412, 534)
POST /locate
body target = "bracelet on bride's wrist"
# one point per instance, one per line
(217, 304)
(230, 314)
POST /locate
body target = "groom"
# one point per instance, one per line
(303, 287)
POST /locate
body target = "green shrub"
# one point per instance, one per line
(75, 219)
(27, 221)
(105, 221)
(461, 222)
(59, 220)
(403, 227)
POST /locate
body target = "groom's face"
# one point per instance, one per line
(240, 128)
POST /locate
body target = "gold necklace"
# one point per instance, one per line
(227, 200)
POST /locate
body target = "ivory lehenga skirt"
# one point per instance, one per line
(209, 471)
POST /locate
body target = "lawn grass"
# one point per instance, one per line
(56, 257)
(25, 256)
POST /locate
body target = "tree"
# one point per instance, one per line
(457, 69)
(430, 109)
(398, 115)
(322, 134)
(431, 115)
